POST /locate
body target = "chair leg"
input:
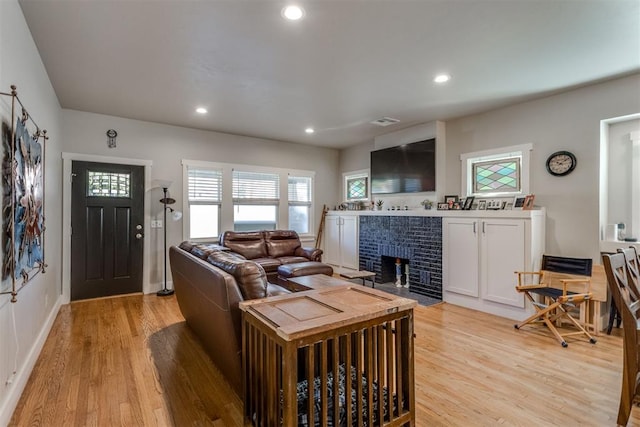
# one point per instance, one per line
(626, 397)
(612, 316)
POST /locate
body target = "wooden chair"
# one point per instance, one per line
(626, 298)
(557, 302)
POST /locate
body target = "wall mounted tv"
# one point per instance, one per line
(409, 168)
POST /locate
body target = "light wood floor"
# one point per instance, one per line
(132, 361)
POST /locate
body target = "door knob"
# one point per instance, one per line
(138, 227)
(139, 236)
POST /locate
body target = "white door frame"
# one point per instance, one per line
(67, 159)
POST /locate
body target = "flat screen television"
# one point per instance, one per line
(409, 168)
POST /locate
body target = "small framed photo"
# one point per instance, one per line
(468, 202)
(443, 206)
(482, 205)
(518, 202)
(528, 202)
(457, 206)
(450, 199)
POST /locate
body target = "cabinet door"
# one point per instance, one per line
(460, 256)
(503, 252)
(349, 242)
(331, 253)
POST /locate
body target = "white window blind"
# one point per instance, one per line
(255, 188)
(299, 189)
(205, 185)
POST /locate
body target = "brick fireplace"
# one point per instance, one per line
(416, 239)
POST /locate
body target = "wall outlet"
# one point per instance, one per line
(156, 223)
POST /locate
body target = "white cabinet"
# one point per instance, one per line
(341, 241)
(480, 256)
(460, 256)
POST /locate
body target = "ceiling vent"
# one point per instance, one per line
(385, 121)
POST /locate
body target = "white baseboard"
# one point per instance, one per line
(22, 375)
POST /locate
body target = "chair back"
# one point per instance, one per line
(557, 264)
(627, 303)
(555, 269)
(633, 270)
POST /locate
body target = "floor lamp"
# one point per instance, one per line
(176, 215)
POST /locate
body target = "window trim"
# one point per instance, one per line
(356, 174)
(227, 204)
(186, 230)
(468, 159)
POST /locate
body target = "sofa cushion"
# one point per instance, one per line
(203, 250)
(281, 242)
(248, 244)
(250, 277)
(292, 259)
(269, 264)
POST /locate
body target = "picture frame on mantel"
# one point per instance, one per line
(518, 202)
(443, 206)
(528, 202)
(468, 202)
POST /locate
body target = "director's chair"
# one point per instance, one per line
(557, 302)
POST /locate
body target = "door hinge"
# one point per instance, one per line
(72, 175)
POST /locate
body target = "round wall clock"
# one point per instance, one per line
(561, 163)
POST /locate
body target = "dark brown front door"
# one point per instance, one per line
(107, 229)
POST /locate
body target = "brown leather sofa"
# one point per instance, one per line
(210, 282)
(270, 249)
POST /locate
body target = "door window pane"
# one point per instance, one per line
(108, 184)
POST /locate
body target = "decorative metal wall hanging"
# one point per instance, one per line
(23, 198)
(111, 138)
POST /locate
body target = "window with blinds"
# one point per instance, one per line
(299, 196)
(204, 188)
(256, 196)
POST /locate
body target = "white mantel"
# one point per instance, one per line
(507, 213)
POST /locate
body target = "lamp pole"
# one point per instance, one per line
(164, 292)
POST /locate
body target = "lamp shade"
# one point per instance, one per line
(162, 183)
(176, 215)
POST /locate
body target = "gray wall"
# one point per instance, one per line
(167, 145)
(26, 323)
(567, 121)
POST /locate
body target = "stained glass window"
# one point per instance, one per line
(357, 188)
(108, 184)
(501, 175)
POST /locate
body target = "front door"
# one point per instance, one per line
(107, 229)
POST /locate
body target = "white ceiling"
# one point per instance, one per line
(345, 64)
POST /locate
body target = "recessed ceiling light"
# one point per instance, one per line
(309, 130)
(293, 12)
(201, 110)
(442, 78)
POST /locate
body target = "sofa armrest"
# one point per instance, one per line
(312, 254)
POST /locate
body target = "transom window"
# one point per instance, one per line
(356, 185)
(497, 176)
(495, 173)
(108, 184)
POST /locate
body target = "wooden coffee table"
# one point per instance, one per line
(315, 281)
